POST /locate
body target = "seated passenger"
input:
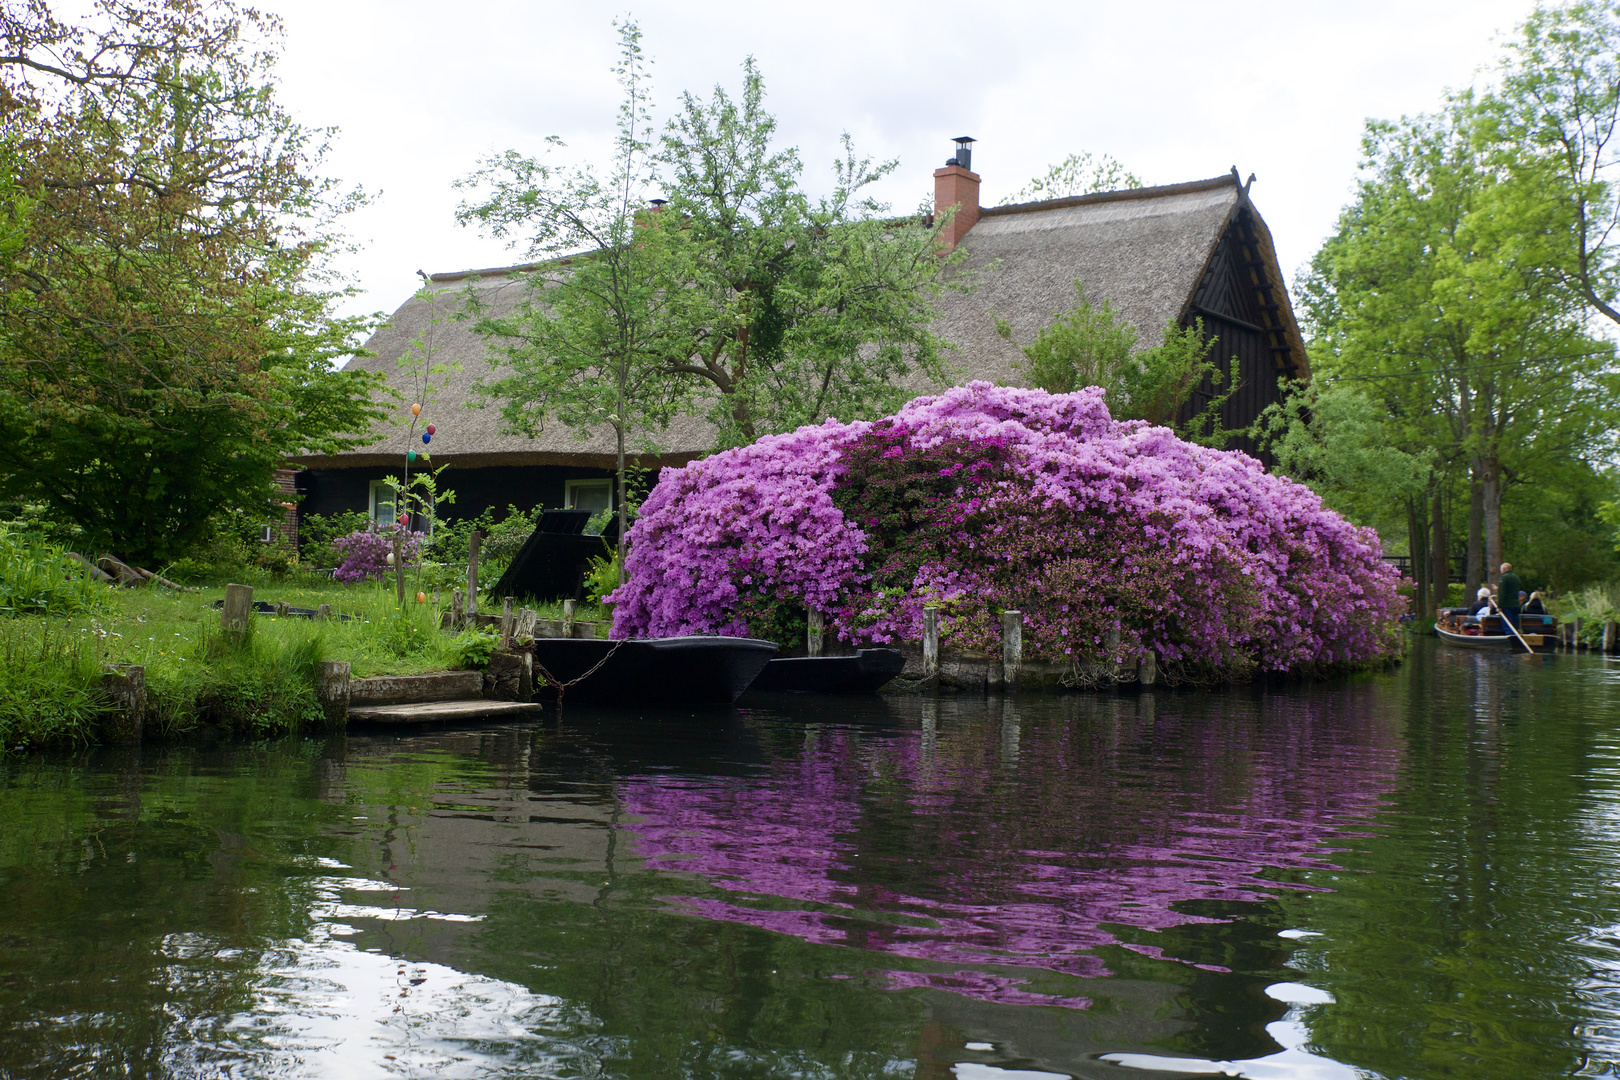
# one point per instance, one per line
(1534, 606)
(1482, 602)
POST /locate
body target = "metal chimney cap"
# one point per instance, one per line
(964, 139)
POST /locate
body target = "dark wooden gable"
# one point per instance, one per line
(1240, 300)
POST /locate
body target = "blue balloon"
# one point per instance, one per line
(426, 437)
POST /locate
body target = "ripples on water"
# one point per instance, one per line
(1412, 875)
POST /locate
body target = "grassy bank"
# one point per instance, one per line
(50, 666)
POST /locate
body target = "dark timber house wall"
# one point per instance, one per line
(1175, 253)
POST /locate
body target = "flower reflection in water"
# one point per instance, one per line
(923, 849)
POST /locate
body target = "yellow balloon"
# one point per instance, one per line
(416, 410)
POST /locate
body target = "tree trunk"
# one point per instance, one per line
(1491, 499)
(1439, 551)
(1417, 550)
(1473, 576)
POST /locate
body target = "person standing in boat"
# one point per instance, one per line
(1507, 593)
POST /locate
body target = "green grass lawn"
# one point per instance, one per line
(196, 678)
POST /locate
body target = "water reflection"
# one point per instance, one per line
(1410, 875)
(1014, 843)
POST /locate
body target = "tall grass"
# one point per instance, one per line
(49, 677)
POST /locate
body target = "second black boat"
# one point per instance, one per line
(863, 673)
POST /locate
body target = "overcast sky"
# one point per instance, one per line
(1175, 90)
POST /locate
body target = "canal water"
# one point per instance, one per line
(1414, 874)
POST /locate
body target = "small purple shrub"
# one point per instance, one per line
(365, 553)
(987, 498)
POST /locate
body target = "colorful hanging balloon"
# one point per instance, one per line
(410, 455)
(416, 410)
(427, 436)
(421, 598)
(432, 430)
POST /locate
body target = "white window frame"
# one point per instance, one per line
(572, 486)
(380, 487)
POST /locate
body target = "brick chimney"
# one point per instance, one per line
(957, 185)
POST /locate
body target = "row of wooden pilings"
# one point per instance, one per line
(1012, 649)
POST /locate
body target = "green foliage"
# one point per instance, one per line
(38, 578)
(1086, 346)
(472, 648)
(1439, 298)
(48, 681)
(162, 344)
(744, 292)
(1339, 442)
(604, 575)
(317, 531)
(1090, 345)
(1077, 174)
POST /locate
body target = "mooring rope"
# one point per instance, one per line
(552, 680)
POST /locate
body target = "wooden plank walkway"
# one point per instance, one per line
(443, 712)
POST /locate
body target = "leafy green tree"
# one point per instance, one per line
(1090, 345)
(593, 342)
(1432, 296)
(1077, 174)
(1553, 121)
(789, 309)
(167, 336)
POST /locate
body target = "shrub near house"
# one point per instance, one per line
(987, 498)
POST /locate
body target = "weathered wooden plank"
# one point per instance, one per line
(444, 712)
(407, 689)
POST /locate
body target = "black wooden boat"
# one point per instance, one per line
(651, 671)
(862, 673)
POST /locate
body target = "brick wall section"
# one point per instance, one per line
(286, 530)
(956, 186)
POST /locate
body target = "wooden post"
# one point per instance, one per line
(1012, 647)
(813, 638)
(238, 610)
(1575, 634)
(1147, 669)
(930, 639)
(1611, 630)
(123, 686)
(506, 623)
(472, 575)
(435, 599)
(283, 609)
(323, 613)
(568, 619)
(525, 629)
(458, 609)
(332, 691)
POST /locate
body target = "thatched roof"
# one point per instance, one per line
(469, 435)
(1145, 250)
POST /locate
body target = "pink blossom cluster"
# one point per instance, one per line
(1098, 530)
(365, 553)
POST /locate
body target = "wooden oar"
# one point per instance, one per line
(1507, 622)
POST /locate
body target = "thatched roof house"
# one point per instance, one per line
(1174, 253)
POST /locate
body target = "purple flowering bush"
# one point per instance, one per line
(365, 553)
(987, 498)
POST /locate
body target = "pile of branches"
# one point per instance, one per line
(115, 571)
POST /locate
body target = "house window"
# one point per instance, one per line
(269, 533)
(592, 495)
(382, 503)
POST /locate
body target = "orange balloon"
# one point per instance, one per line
(416, 410)
(421, 598)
